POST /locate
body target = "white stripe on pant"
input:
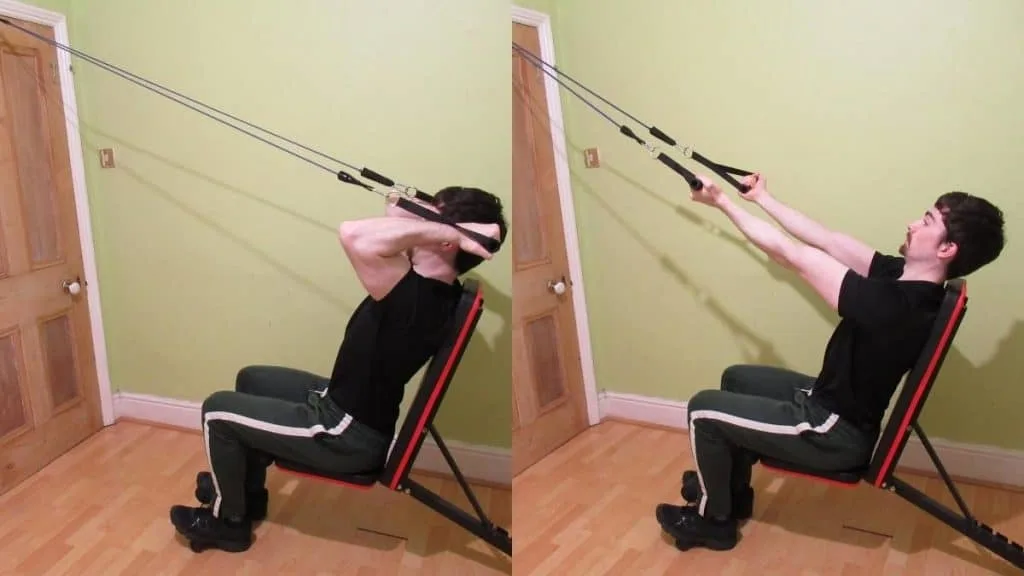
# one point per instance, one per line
(260, 425)
(786, 430)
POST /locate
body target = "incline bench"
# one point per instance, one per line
(880, 471)
(418, 422)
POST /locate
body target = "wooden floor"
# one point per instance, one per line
(103, 509)
(589, 509)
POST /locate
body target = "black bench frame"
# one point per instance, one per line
(880, 472)
(420, 420)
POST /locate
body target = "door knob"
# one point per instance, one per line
(557, 287)
(73, 287)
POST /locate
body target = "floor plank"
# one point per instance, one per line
(102, 509)
(588, 508)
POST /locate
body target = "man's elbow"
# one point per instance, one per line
(350, 235)
(346, 231)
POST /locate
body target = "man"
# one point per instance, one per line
(409, 267)
(887, 306)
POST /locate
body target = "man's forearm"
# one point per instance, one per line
(768, 238)
(389, 236)
(796, 223)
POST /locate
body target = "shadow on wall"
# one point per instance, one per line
(766, 353)
(471, 401)
(968, 403)
(776, 271)
(328, 296)
(471, 392)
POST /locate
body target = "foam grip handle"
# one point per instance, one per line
(376, 177)
(657, 133)
(690, 178)
(489, 244)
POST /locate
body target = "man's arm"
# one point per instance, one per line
(847, 249)
(377, 248)
(823, 272)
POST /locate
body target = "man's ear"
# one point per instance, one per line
(948, 250)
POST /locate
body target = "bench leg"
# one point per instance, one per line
(999, 544)
(481, 525)
(965, 523)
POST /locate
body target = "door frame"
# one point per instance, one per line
(542, 22)
(58, 22)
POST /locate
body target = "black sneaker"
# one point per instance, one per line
(256, 503)
(742, 502)
(690, 529)
(203, 530)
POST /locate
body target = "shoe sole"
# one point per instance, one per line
(685, 543)
(198, 546)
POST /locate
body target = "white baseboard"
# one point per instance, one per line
(967, 461)
(482, 463)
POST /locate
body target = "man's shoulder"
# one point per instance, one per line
(886, 266)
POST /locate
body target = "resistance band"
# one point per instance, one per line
(490, 244)
(726, 172)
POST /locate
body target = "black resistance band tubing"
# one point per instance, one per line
(164, 91)
(725, 172)
(488, 243)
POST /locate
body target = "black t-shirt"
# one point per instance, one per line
(386, 342)
(885, 325)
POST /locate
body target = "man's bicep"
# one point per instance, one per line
(850, 251)
(821, 271)
(377, 274)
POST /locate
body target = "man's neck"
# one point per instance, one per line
(433, 266)
(924, 272)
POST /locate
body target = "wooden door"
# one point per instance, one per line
(49, 397)
(549, 402)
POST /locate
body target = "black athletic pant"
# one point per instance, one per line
(764, 411)
(277, 412)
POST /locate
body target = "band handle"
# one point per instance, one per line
(489, 244)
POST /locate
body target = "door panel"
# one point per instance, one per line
(549, 399)
(47, 370)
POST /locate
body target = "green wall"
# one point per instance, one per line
(215, 250)
(846, 107)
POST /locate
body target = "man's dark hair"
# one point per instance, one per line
(464, 204)
(975, 225)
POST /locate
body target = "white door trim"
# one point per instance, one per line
(58, 21)
(542, 22)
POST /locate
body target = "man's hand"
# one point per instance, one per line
(467, 244)
(709, 194)
(758, 185)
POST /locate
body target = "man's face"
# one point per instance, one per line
(925, 236)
